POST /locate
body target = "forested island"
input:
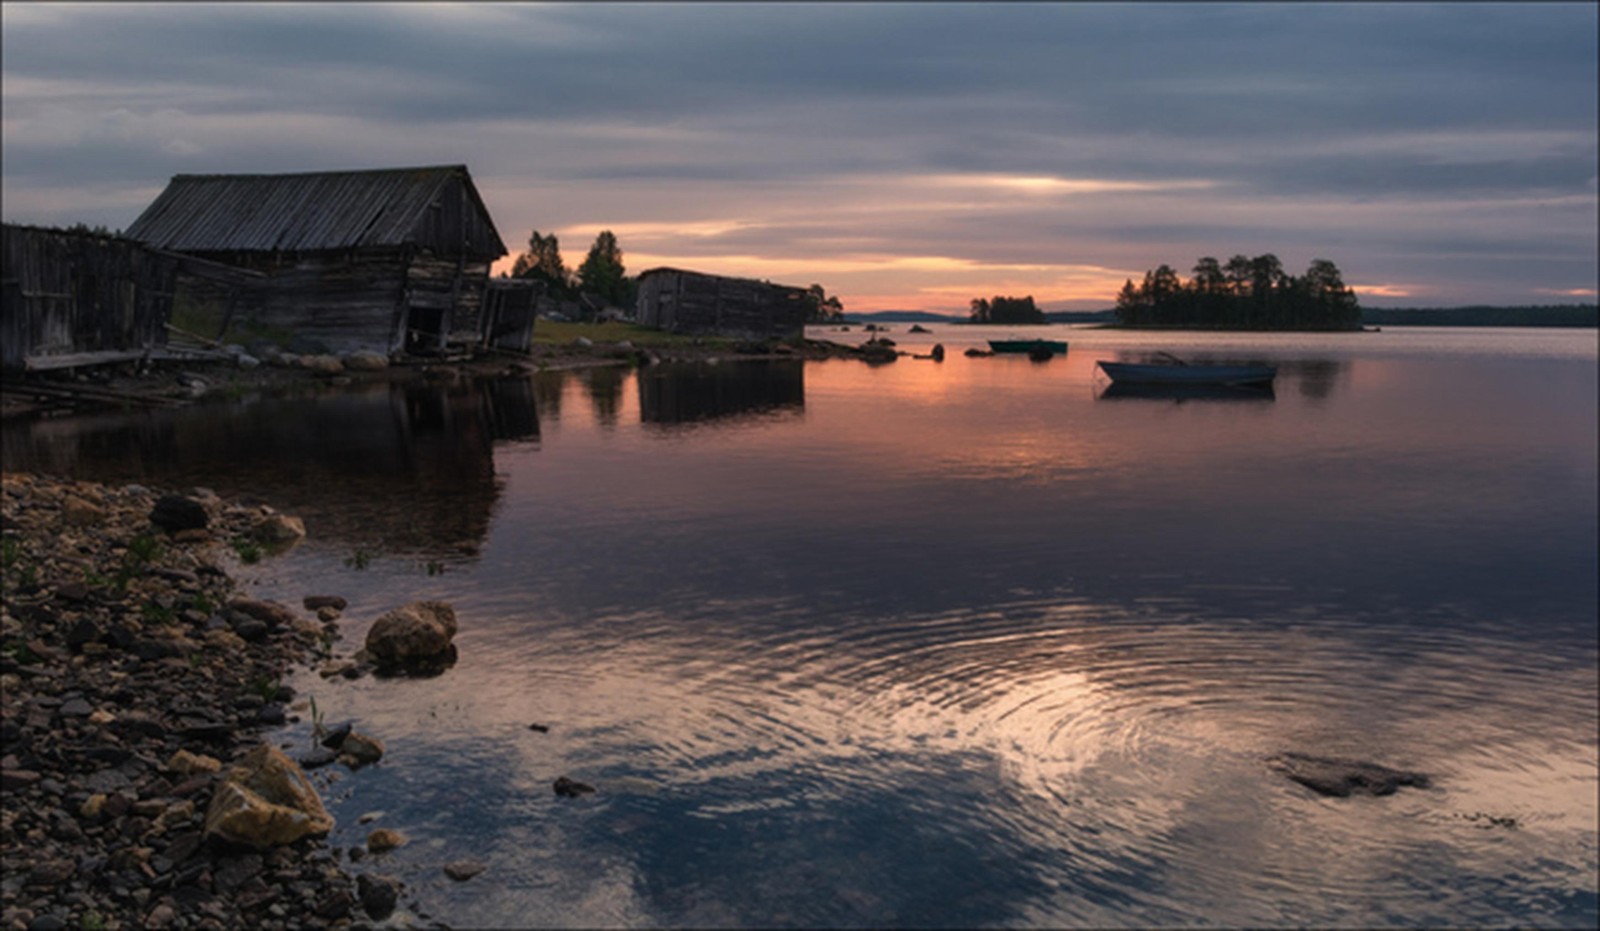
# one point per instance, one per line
(1242, 294)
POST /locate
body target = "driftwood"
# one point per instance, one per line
(87, 394)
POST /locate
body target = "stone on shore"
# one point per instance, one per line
(176, 513)
(184, 763)
(358, 750)
(378, 894)
(265, 801)
(413, 638)
(365, 362)
(276, 529)
(385, 839)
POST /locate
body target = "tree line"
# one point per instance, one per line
(1242, 294)
(604, 275)
(601, 274)
(1000, 309)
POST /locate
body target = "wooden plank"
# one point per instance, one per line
(70, 360)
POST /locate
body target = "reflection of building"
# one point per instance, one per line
(681, 394)
(403, 468)
(691, 302)
(387, 260)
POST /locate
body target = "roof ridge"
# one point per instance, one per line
(307, 174)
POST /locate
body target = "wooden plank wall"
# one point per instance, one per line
(67, 292)
(346, 301)
(510, 309)
(686, 302)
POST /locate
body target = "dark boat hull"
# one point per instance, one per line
(1127, 373)
(1024, 346)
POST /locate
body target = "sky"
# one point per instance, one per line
(903, 155)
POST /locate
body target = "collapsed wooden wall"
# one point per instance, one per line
(510, 307)
(342, 300)
(689, 302)
(71, 294)
(347, 301)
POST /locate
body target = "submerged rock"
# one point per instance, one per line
(571, 788)
(413, 638)
(463, 870)
(1341, 778)
(265, 801)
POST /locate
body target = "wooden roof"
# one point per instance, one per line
(302, 212)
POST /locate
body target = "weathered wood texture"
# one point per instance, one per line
(691, 302)
(435, 208)
(346, 301)
(387, 261)
(69, 293)
(510, 309)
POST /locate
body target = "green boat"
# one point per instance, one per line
(1023, 346)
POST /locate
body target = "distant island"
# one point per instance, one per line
(1243, 294)
(1477, 315)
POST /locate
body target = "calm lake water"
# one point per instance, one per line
(966, 644)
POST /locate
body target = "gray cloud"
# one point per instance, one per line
(615, 111)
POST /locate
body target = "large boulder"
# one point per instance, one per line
(174, 513)
(414, 638)
(266, 801)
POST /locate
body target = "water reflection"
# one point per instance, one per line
(1181, 393)
(691, 393)
(1313, 378)
(404, 468)
(955, 645)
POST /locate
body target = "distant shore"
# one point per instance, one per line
(1562, 315)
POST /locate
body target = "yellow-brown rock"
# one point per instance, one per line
(187, 764)
(265, 801)
(415, 637)
(384, 839)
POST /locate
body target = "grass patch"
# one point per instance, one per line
(249, 552)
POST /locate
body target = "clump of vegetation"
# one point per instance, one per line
(1008, 310)
(157, 613)
(1244, 294)
(358, 560)
(265, 686)
(318, 729)
(248, 550)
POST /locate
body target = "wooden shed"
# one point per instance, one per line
(391, 260)
(693, 302)
(74, 297)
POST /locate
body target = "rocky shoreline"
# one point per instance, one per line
(135, 677)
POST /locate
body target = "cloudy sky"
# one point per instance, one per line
(903, 155)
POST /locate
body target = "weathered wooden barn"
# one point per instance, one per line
(391, 260)
(692, 302)
(74, 297)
